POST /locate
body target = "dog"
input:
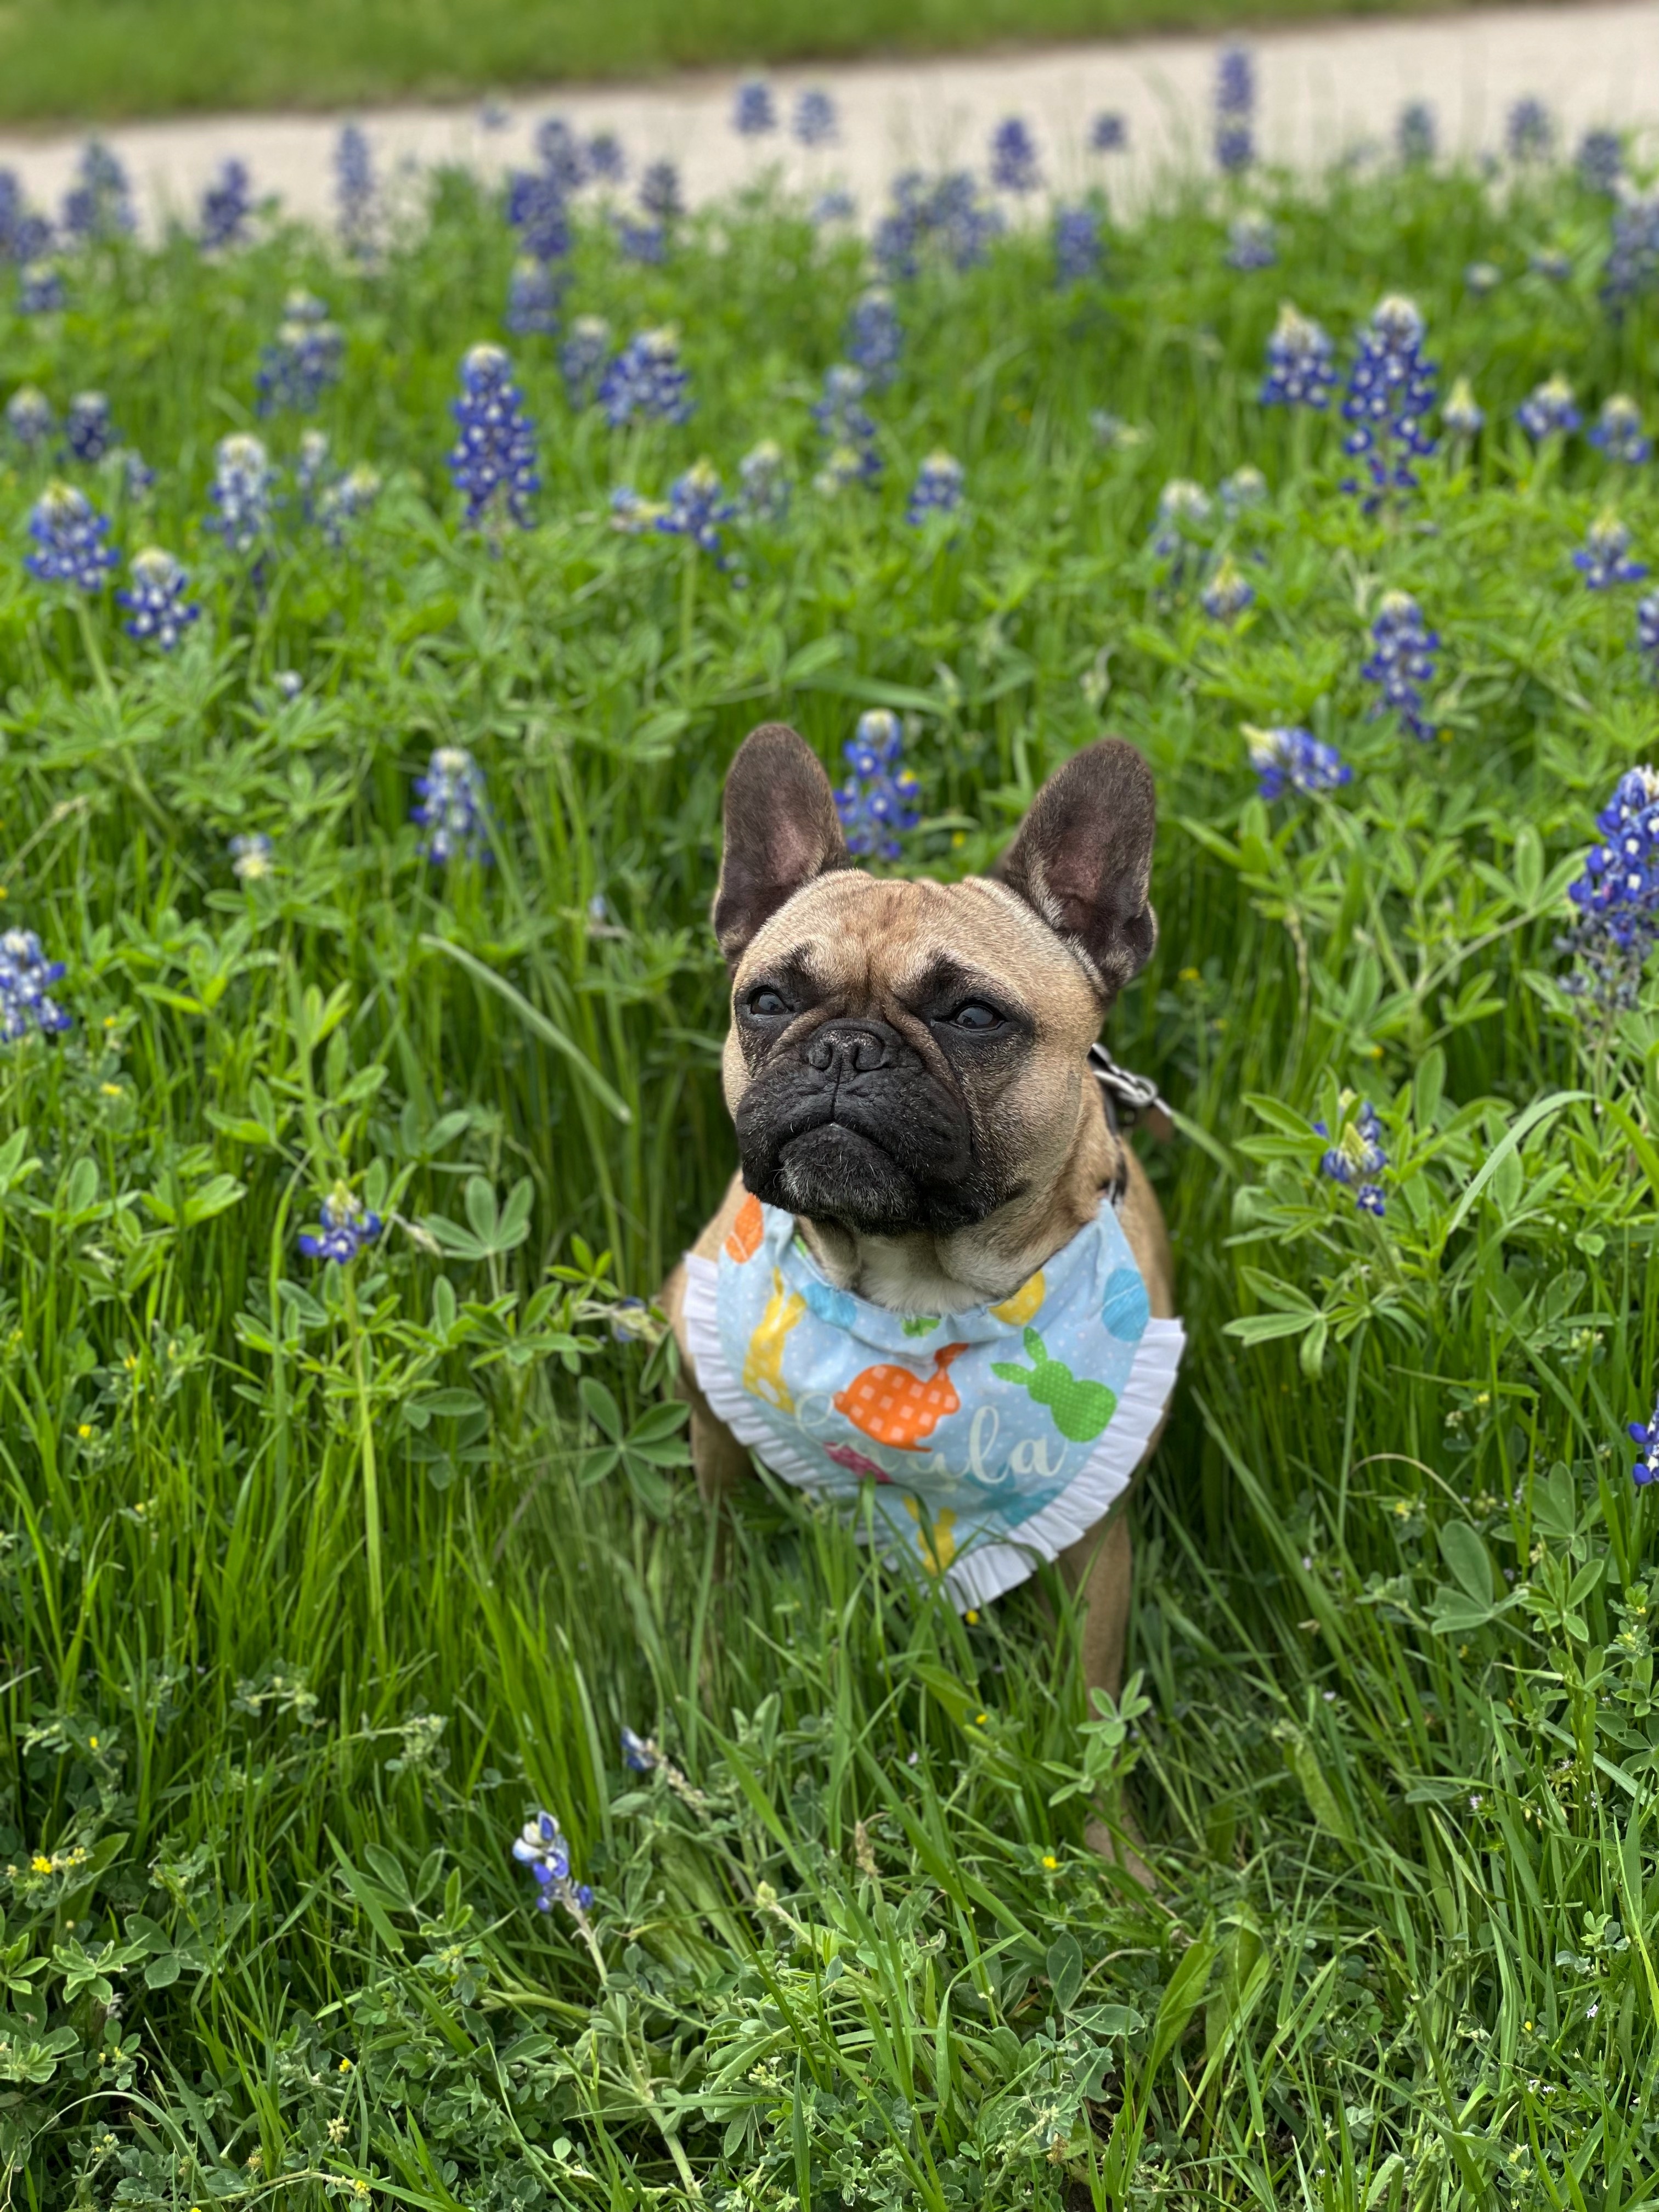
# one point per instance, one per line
(919, 1130)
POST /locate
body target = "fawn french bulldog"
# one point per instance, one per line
(939, 1289)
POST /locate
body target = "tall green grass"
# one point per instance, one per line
(316, 1582)
(83, 60)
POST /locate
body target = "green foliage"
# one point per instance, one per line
(84, 58)
(314, 1583)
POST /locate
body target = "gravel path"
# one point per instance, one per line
(1322, 87)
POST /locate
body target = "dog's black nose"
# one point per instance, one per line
(848, 1047)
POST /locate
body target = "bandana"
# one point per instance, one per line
(985, 1441)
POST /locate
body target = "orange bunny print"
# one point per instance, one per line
(897, 1407)
(744, 1239)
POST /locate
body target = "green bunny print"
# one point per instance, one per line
(1080, 1409)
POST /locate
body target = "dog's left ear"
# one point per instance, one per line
(1083, 859)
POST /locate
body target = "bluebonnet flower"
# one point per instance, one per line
(1111, 432)
(1251, 243)
(353, 190)
(1414, 134)
(1617, 897)
(1600, 161)
(1647, 633)
(1619, 432)
(606, 163)
(647, 381)
(645, 242)
(1014, 157)
(1076, 244)
(560, 153)
(302, 361)
(659, 191)
(252, 856)
(764, 477)
(1483, 277)
(937, 489)
(814, 119)
(881, 799)
(346, 1226)
(1294, 760)
(289, 683)
(1530, 130)
(26, 980)
(69, 535)
(29, 417)
(136, 475)
(948, 214)
(98, 206)
(874, 339)
(227, 206)
(1550, 407)
(1301, 366)
(695, 508)
(310, 468)
(1390, 390)
(241, 491)
(346, 499)
(1227, 594)
(1645, 1435)
(1244, 488)
(1632, 263)
(545, 1848)
(583, 356)
(538, 208)
(12, 215)
(1356, 1158)
(1462, 414)
(1183, 507)
(1604, 560)
(494, 115)
(844, 466)
(632, 514)
(1552, 264)
(158, 613)
(753, 113)
(1235, 110)
(1108, 133)
(840, 415)
(533, 295)
(640, 1754)
(494, 459)
(1402, 660)
(453, 809)
(40, 290)
(835, 205)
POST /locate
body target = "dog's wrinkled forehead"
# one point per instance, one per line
(858, 938)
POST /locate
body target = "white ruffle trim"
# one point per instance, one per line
(985, 1570)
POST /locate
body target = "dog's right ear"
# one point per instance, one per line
(781, 831)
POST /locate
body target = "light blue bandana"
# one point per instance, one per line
(987, 1440)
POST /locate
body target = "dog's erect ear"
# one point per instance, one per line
(781, 831)
(1083, 859)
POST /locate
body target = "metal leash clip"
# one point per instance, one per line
(1130, 1098)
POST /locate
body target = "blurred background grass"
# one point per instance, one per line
(87, 60)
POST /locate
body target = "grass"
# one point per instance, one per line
(86, 60)
(314, 1582)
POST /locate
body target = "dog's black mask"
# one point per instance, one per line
(848, 1123)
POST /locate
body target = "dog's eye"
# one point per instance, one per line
(976, 1015)
(767, 1003)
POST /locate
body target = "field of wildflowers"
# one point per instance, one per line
(377, 616)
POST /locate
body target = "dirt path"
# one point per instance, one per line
(1321, 88)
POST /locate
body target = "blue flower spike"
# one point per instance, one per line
(347, 1225)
